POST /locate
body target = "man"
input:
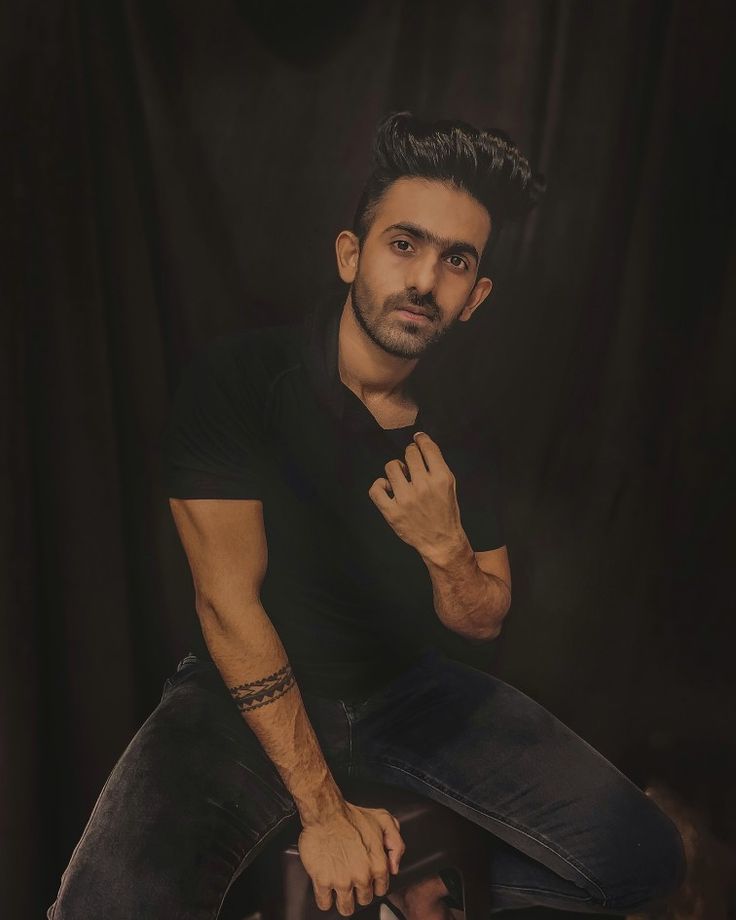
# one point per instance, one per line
(338, 522)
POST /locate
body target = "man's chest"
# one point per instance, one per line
(392, 414)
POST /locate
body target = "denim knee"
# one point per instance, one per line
(661, 868)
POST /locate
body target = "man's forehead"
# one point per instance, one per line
(447, 212)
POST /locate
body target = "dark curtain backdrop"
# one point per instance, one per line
(179, 170)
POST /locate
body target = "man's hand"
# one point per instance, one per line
(348, 850)
(418, 498)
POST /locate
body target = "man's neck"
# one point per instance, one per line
(375, 376)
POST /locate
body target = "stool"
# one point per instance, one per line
(436, 838)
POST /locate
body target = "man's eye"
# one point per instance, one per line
(460, 263)
(400, 243)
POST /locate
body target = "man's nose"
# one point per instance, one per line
(422, 273)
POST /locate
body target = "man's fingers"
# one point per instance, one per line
(380, 493)
(415, 460)
(396, 476)
(430, 451)
(392, 840)
(380, 878)
(322, 895)
(344, 901)
(364, 893)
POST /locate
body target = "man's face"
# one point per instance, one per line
(416, 272)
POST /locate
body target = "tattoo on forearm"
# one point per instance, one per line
(266, 690)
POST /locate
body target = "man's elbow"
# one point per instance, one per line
(213, 620)
(485, 635)
(491, 629)
(226, 614)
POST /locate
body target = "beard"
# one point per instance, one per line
(395, 335)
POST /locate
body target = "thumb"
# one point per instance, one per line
(392, 839)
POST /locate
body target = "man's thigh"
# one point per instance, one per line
(485, 749)
(191, 801)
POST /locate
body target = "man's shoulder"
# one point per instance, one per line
(226, 386)
(259, 354)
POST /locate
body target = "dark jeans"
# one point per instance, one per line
(194, 798)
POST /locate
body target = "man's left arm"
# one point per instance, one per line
(472, 591)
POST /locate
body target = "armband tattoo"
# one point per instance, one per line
(257, 693)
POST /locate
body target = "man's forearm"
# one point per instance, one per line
(467, 600)
(253, 663)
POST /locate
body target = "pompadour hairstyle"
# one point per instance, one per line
(484, 163)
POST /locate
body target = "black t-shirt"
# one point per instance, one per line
(264, 415)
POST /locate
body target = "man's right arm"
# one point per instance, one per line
(343, 846)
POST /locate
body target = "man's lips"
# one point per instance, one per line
(414, 313)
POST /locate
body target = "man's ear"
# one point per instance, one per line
(347, 249)
(483, 287)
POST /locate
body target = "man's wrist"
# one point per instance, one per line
(453, 551)
(322, 805)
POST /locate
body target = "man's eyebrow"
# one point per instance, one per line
(442, 243)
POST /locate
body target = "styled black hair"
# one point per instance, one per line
(484, 163)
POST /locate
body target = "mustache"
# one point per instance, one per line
(397, 301)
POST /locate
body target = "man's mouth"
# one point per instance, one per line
(415, 311)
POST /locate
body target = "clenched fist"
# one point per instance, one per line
(418, 497)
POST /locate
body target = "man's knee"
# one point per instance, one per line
(653, 869)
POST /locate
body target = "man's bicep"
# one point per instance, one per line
(225, 543)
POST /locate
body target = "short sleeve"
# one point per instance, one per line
(213, 443)
(478, 493)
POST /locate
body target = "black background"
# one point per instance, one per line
(178, 170)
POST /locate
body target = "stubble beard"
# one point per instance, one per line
(397, 336)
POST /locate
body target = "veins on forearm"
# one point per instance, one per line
(265, 690)
(466, 599)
